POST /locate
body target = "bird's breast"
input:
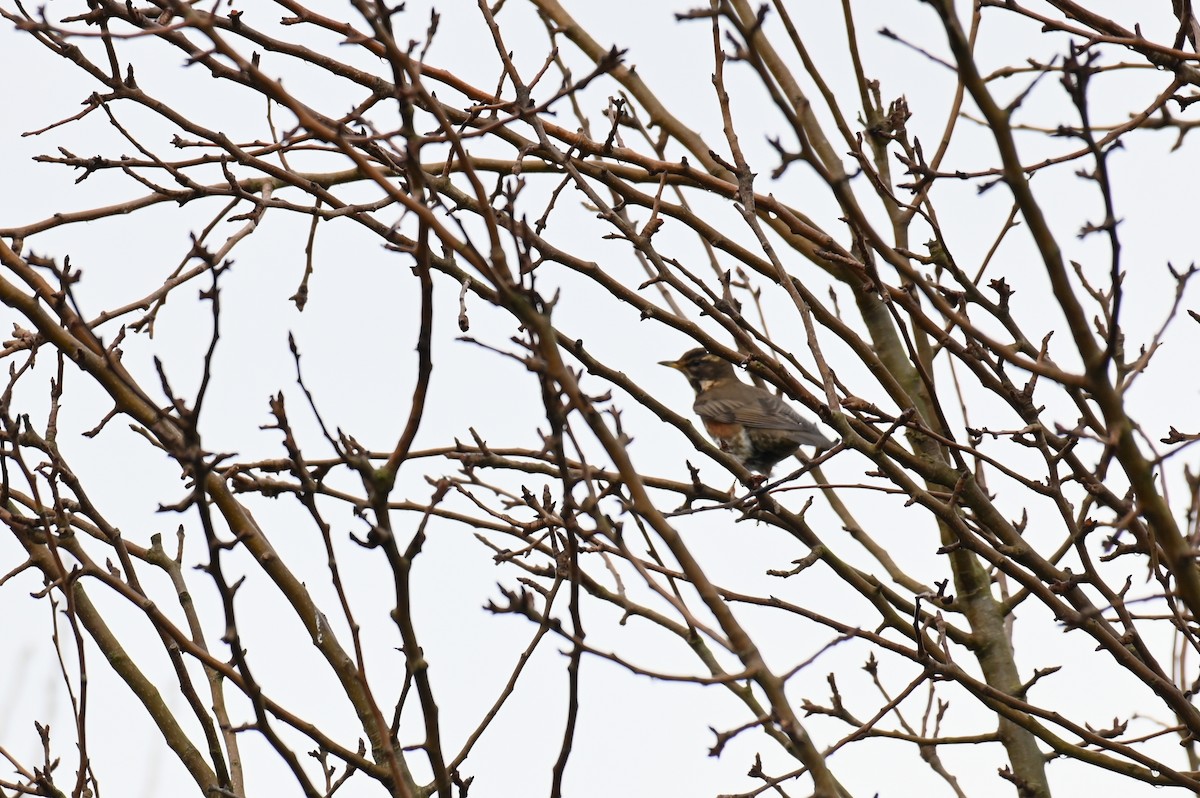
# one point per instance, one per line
(733, 439)
(721, 430)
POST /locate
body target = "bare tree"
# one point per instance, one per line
(990, 577)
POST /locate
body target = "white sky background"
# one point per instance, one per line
(637, 737)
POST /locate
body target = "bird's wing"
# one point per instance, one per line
(762, 410)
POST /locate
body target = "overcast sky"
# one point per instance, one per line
(637, 736)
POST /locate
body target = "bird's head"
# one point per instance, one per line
(702, 368)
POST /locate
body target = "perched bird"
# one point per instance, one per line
(753, 425)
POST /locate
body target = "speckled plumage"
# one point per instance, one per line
(751, 424)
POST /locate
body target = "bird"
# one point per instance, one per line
(750, 423)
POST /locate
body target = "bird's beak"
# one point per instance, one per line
(671, 364)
